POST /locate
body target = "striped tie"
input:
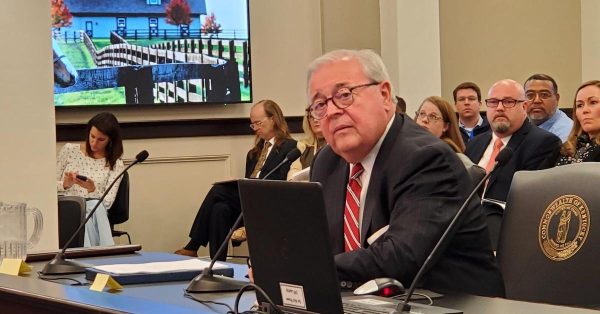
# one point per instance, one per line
(352, 210)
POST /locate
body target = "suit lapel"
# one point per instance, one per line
(487, 138)
(375, 182)
(515, 141)
(271, 162)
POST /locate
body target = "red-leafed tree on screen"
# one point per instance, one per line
(61, 16)
(210, 25)
(178, 12)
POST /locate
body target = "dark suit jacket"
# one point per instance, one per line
(531, 146)
(278, 153)
(416, 187)
(479, 129)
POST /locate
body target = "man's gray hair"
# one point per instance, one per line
(370, 61)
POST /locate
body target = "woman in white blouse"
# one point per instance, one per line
(87, 169)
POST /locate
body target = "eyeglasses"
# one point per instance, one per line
(432, 117)
(506, 102)
(343, 98)
(543, 95)
(256, 125)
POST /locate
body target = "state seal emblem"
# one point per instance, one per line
(564, 227)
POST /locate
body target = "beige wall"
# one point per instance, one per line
(590, 40)
(485, 41)
(410, 48)
(27, 160)
(350, 24)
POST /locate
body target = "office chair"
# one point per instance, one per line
(550, 235)
(119, 211)
(71, 213)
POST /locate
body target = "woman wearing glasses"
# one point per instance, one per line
(583, 143)
(438, 117)
(221, 206)
(309, 146)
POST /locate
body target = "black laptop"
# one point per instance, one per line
(290, 250)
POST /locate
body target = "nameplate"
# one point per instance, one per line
(292, 295)
(102, 280)
(14, 266)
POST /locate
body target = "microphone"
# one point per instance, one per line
(290, 157)
(60, 265)
(206, 281)
(503, 156)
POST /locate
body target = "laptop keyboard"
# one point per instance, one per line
(355, 308)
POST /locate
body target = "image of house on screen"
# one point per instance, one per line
(147, 17)
(123, 52)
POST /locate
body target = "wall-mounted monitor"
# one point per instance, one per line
(150, 52)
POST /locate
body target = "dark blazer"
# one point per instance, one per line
(416, 187)
(221, 206)
(531, 146)
(278, 153)
(479, 129)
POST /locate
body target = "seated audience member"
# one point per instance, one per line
(467, 99)
(542, 108)
(415, 185)
(509, 127)
(221, 206)
(583, 143)
(400, 105)
(438, 117)
(309, 146)
(99, 161)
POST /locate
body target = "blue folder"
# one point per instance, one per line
(148, 257)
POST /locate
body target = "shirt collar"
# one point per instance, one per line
(369, 160)
(479, 122)
(551, 120)
(503, 139)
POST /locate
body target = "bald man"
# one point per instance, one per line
(510, 127)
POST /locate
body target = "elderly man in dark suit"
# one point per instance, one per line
(510, 127)
(390, 187)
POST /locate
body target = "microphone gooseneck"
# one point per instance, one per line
(290, 157)
(60, 265)
(503, 156)
(206, 281)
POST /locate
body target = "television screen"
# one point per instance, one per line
(128, 52)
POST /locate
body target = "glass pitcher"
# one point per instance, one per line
(13, 229)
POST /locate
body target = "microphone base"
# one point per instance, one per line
(208, 282)
(59, 265)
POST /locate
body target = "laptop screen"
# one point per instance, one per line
(289, 244)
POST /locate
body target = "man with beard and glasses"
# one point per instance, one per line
(542, 108)
(510, 127)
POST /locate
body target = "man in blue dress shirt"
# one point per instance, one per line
(542, 109)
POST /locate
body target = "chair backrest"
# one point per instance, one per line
(475, 172)
(119, 211)
(550, 235)
(71, 213)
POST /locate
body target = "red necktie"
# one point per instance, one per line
(497, 147)
(352, 210)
